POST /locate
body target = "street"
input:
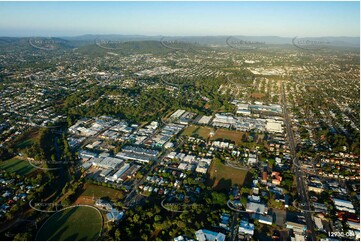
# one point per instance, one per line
(301, 189)
(234, 226)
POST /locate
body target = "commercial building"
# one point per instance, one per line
(245, 227)
(344, 205)
(115, 215)
(83, 154)
(264, 219)
(256, 208)
(205, 120)
(138, 154)
(207, 235)
(106, 163)
(203, 165)
(274, 126)
(176, 114)
(121, 171)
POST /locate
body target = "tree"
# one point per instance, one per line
(144, 237)
(157, 218)
(23, 237)
(4, 154)
(117, 234)
(66, 202)
(244, 138)
(271, 162)
(181, 224)
(14, 208)
(243, 201)
(136, 218)
(219, 198)
(245, 190)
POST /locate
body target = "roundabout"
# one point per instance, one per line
(301, 209)
(230, 206)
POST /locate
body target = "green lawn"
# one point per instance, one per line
(78, 223)
(222, 177)
(18, 166)
(27, 139)
(189, 130)
(202, 132)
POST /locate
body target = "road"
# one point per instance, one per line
(128, 199)
(234, 226)
(301, 188)
(132, 193)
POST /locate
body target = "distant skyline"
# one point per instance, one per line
(285, 19)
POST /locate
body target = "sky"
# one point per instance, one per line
(286, 19)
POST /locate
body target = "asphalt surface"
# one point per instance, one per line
(234, 226)
(301, 187)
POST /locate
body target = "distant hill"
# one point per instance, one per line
(126, 44)
(220, 40)
(39, 43)
(126, 47)
(91, 48)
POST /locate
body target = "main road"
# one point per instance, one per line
(301, 188)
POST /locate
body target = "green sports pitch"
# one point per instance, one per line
(75, 223)
(18, 166)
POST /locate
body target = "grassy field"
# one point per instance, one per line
(27, 139)
(100, 191)
(202, 132)
(189, 130)
(18, 166)
(225, 134)
(222, 177)
(78, 223)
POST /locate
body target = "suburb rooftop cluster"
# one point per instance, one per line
(135, 137)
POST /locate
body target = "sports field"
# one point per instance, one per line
(222, 177)
(77, 223)
(18, 166)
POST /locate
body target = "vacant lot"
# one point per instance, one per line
(202, 132)
(233, 135)
(90, 190)
(224, 134)
(222, 177)
(189, 130)
(77, 223)
(258, 95)
(18, 166)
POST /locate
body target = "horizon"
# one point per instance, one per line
(278, 19)
(160, 35)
